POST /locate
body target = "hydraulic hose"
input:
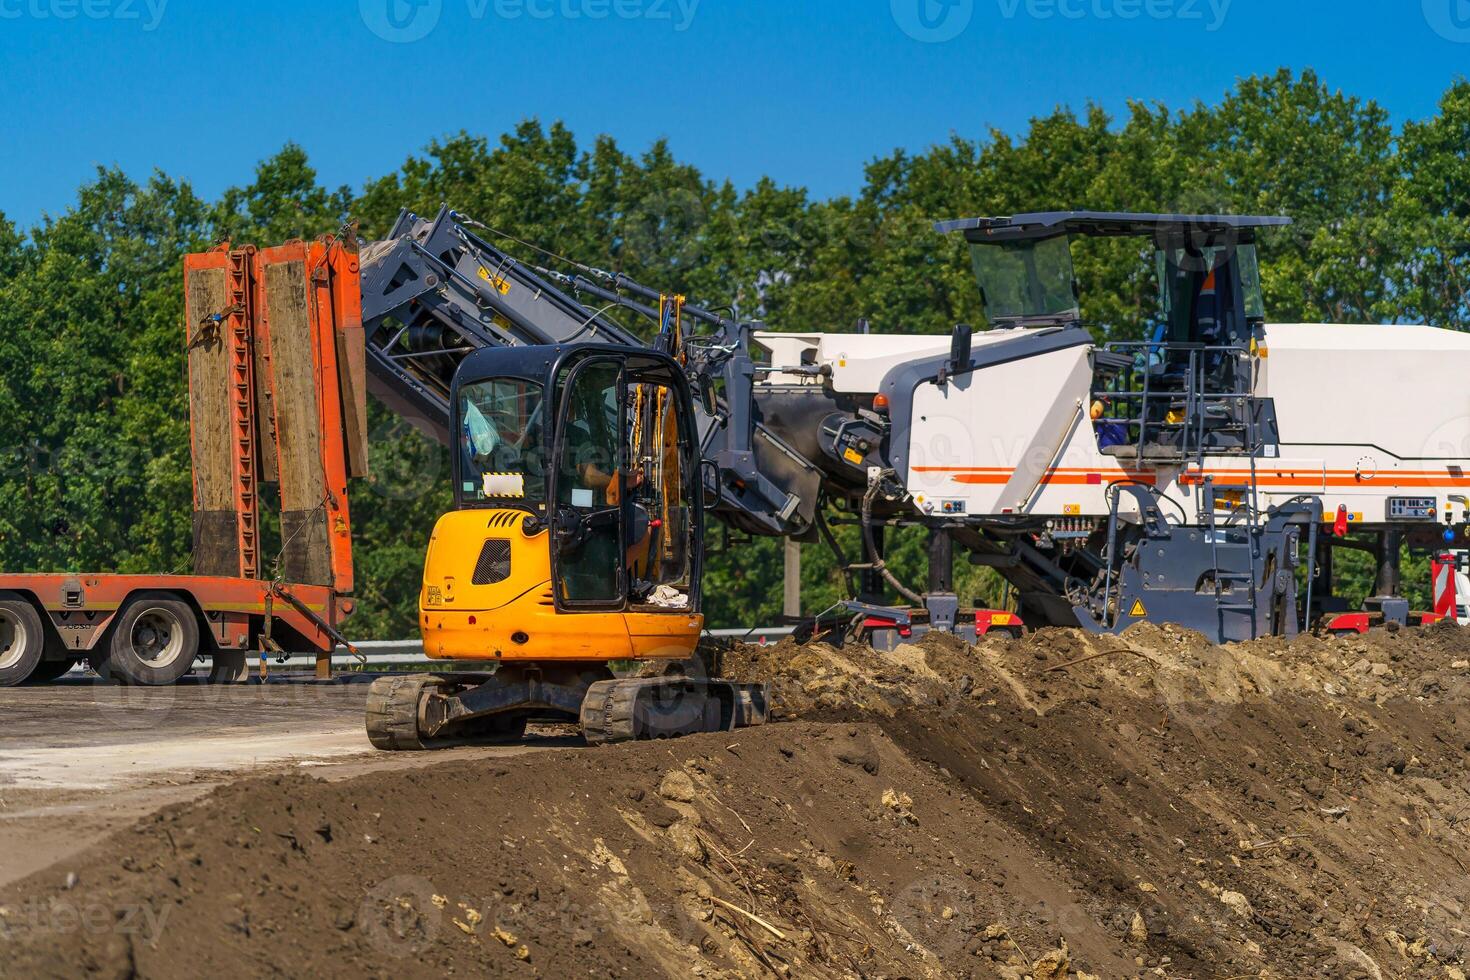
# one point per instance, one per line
(870, 547)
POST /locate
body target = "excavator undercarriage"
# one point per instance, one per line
(420, 711)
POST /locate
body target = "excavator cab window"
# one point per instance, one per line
(501, 444)
(627, 517)
(590, 478)
(662, 509)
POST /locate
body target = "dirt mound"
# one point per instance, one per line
(801, 849)
(1298, 808)
(1058, 806)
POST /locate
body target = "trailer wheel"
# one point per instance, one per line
(49, 670)
(154, 643)
(22, 639)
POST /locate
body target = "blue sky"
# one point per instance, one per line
(806, 91)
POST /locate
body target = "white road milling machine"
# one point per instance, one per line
(1204, 476)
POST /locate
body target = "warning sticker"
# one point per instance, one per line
(499, 282)
(504, 485)
(853, 456)
(1138, 609)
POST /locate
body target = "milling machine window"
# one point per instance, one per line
(1192, 306)
(1250, 282)
(1026, 280)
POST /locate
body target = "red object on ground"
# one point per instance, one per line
(1350, 622)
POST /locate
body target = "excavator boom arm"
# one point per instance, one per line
(434, 292)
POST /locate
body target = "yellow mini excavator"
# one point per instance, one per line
(571, 562)
(574, 545)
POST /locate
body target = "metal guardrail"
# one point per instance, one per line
(408, 653)
(405, 653)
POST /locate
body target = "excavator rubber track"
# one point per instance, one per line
(426, 711)
(635, 709)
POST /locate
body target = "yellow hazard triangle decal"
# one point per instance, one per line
(1138, 609)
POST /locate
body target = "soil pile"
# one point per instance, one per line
(1058, 806)
(1271, 808)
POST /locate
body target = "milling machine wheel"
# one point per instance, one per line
(393, 711)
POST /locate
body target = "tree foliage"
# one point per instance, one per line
(93, 428)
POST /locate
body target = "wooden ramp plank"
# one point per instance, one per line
(306, 555)
(216, 541)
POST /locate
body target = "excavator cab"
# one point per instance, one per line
(575, 475)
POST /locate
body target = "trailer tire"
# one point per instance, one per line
(22, 639)
(154, 643)
(49, 670)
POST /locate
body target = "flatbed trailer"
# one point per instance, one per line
(106, 619)
(277, 403)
